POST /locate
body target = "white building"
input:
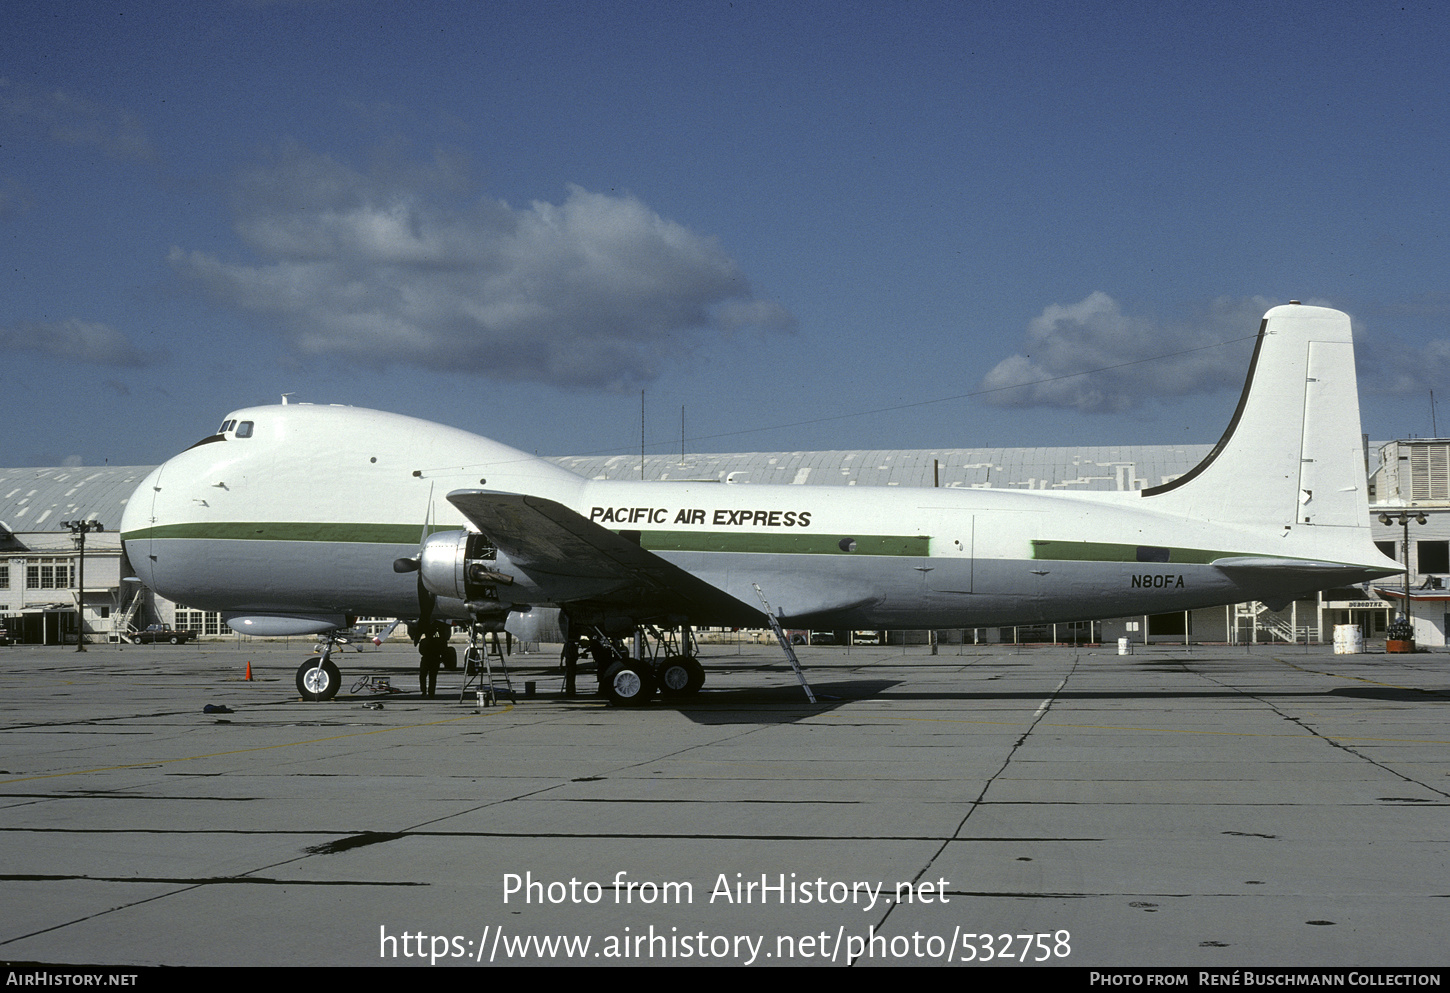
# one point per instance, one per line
(1410, 500)
(40, 561)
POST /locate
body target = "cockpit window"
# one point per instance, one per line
(244, 429)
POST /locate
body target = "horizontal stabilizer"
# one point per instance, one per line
(577, 562)
(1274, 565)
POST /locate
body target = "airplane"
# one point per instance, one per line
(292, 518)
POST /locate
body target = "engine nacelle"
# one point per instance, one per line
(464, 565)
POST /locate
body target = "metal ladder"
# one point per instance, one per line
(478, 669)
(785, 644)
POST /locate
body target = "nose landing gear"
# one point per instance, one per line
(318, 678)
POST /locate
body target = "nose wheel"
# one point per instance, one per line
(318, 679)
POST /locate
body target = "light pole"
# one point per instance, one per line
(78, 530)
(1404, 521)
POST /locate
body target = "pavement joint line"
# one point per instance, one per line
(1333, 740)
(981, 797)
(257, 748)
(1042, 708)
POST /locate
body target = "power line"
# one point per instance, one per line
(918, 403)
(966, 396)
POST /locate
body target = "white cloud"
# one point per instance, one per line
(1389, 363)
(74, 340)
(75, 120)
(1095, 336)
(399, 264)
(1398, 368)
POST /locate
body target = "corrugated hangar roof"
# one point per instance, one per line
(1122, 467)
(39, 499)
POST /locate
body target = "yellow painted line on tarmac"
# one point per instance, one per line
(258, 748)
(1360, 679)
(1151, 730)
(1250, 734)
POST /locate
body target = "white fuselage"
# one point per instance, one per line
(307, 512)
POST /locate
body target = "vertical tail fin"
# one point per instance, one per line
(1292, 454)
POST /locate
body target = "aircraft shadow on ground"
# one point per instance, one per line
(1394, 694)
(787, 704)
(775, 704)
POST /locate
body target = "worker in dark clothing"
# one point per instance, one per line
(432, 648)
(570, 657)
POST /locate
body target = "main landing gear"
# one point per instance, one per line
(662, 661)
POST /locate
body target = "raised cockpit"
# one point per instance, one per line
(230, 428)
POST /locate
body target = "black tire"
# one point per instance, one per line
(629, 684)
(450, 658)
(604, 659)
(175, 640)
(318, 682)
(680, 675)
(135, 639)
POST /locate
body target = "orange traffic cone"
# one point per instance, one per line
(249, 672)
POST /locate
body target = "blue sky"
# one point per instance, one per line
(514, 217)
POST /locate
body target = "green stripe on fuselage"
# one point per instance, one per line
(1102, 551)
(796, 543)
(780, 543)
(379, 534)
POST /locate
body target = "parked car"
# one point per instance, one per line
(4, 636)
(160, 632)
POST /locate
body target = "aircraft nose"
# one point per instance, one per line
(137, 526)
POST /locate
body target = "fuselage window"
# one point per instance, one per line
(244, 429)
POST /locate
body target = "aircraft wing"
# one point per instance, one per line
(577, 562)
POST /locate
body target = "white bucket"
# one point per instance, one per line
(1125, 647)
(1348, 639)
